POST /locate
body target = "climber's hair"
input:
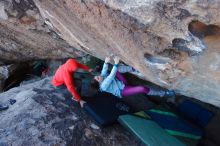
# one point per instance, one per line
(94, 84)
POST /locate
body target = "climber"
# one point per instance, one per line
(116, 84)
(64, 75)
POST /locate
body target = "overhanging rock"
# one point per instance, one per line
(152, 36)
(25, 36)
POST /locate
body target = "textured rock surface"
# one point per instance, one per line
(44, 115)
(152, 36)
(24, 35)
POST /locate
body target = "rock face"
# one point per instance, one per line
(162, 39)
(25, 36)
(45, 115)
(174, 43)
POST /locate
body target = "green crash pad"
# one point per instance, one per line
(148, 131)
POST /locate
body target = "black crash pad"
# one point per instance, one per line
(105, 108)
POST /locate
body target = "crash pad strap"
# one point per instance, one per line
(187, 135)
(142, 114)
(163, 112)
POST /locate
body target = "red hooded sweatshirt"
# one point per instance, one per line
(64, 75)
